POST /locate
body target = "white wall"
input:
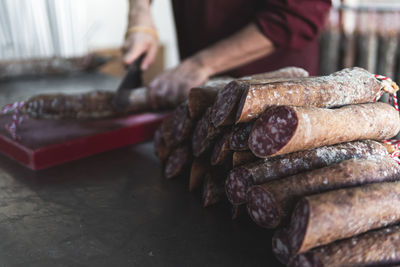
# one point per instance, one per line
(164, 20)
(42, 28)
(107, 22)
(45, 28)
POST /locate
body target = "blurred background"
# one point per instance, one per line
(361, 33)
(40, 29)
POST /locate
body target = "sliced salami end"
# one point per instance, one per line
(204, 134)
(262, 208)
(221, 152)
(199, 100)
(240, 136)
(224, 108)
(273, 130)
(160, 148)
(178, 127)
(373, 248)
(236, 185)
(200, 136)
(200, 167)
(167, 131)
(281, 246)
(298, 225)
(212, 190)
(183, 124)
(177, 161)
(241, 103)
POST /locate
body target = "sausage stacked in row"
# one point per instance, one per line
(188, 138)
(304, 154)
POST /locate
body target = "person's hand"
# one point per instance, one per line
(171, 87)
(141, 38)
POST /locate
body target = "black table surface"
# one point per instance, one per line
(114, 209)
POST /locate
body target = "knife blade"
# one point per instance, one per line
(131, 81)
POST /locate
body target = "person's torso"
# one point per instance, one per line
(201, 23)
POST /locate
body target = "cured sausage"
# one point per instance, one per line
(348, 86)
(167, 130)
(200, 167)
(265, 170)
(323, 218)
(177, 161)
(200, 98)
(270, 204)
(221, 152)
(213, 185)
(225, 106)
(182, 124)
(204, 134)
(90, 105)
(287, 72)
(160, 148)
(281, 246)
(374, 248)
(213, 189)
(285, 129)
(83, 106)
(178, 127)
(240, 135)
(237, 211)
(243, 157)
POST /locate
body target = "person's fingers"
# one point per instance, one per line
(150, 57)
(133, 53)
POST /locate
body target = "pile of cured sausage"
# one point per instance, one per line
(303, 155)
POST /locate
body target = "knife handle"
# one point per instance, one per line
(135, 65)
(133, 75)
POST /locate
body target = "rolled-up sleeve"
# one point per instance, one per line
(292, 23)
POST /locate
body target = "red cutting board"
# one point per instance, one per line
(45, 143)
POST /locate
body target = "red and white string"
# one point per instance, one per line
(396, 146)
(392, 96)
(392, 101)
(16, 118)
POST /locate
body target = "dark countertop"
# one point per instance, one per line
(113, 209)
(116, 209)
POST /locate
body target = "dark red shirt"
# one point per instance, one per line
(292, 25)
